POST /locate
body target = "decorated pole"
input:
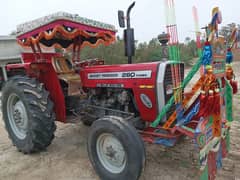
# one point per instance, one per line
(207, 111)
(174, 56)
(172, 30)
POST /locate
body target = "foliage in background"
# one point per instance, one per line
(145, 52)
(113, 54)
(148, 51)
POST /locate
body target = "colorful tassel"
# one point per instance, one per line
(210, 104)
(203, 102)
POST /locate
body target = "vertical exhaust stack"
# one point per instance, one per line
(128, 33)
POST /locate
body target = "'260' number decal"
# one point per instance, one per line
(129, 74)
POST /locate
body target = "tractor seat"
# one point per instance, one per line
(62, 65)
(65, 72)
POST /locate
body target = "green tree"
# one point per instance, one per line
(144, 52)
(113, 54)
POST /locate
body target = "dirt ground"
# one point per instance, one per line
(66, 157)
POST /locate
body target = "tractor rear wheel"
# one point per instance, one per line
(115, 149)
(28, 114)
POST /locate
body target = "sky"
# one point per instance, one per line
(147, 17)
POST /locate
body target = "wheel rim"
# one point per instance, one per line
(17, 116)
(111, 153)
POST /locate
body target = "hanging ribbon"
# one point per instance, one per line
(207, 54)
(229, 56)
(213, 26)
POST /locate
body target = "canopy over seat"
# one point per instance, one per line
(65, 29)
(69, 31)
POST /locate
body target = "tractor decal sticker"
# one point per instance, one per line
(121, 75)
(146, 101)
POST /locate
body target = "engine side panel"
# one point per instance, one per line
(140, 78)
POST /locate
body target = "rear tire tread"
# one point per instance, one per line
(41, 116)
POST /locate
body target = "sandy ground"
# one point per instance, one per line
(66, 157)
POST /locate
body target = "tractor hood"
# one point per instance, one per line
(65, 29)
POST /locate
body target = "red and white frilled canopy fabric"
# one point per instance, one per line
(63, 29)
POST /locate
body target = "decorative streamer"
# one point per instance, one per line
(172, 30)
(197, 31)
(213, 26)
(186, 80)
(175, 56)
(198, 36)
(229, 102)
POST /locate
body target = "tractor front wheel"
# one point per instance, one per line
(28, 114)
(115, 149)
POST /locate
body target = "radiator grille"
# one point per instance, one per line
(168, 84)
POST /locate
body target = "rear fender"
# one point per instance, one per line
(46, 74)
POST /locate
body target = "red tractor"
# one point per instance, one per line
(116, 100)
(119, 101)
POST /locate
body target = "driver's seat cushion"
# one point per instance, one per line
(62, 65)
